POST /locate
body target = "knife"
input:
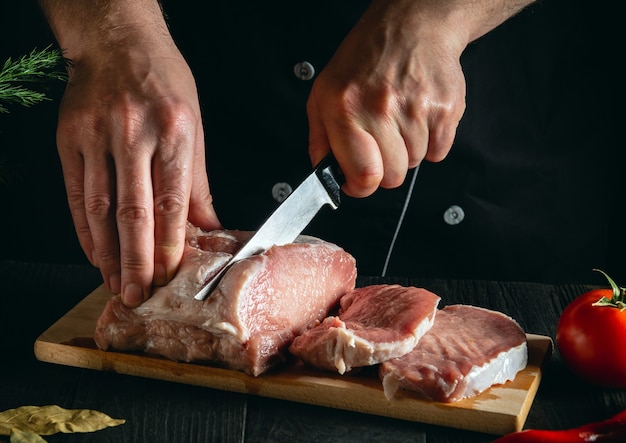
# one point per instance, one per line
(321, 187)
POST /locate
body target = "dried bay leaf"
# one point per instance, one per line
(50, 419)
(18, 436)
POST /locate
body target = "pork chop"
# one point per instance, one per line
(467, 350)
(249, 319)
(375, 323)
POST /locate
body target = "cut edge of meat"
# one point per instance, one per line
(350, 340)
(500, 370)
(349, 347)
(468, 349)
(348, 350)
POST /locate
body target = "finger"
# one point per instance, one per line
(358, 153)
(201, 211)
(442, 133)
(356, 150)
(172, 175)
(135, 225)
(376, 152)
(443, 120)
(72, 165)
(393, 151)
(415, 132)
(440, 142)
(100, 215)
(171, 196)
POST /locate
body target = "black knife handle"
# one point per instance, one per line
(331, 176)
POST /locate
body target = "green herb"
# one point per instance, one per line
(34, 68)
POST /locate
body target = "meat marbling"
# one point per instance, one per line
(467, 350)
(252, 316)
(375, 323)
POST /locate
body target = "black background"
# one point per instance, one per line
(543, 108)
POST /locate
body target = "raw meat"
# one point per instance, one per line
(251, 317)
(375, 323)
(467, 350)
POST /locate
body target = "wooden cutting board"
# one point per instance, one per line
(499, 410)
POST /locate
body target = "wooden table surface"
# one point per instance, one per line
(34, 296)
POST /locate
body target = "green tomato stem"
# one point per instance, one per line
(618, 298)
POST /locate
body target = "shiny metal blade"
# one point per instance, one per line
(291, 217)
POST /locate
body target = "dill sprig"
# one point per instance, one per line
(36, 67)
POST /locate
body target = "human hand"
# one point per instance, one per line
(131, 144)
(394, 91)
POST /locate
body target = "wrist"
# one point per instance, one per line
(91, 27)
(455, 22)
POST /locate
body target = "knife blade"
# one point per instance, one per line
(321, 187)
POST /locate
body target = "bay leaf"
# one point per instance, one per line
(50, 419)
(18, 436)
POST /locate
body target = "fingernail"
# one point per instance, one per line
(115, 283)
(132, 295)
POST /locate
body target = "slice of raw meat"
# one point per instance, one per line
(467, 350)
(375, 323)
(251, 317)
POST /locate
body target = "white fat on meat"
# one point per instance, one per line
(375, 323)
(468, 350)
(247, 322)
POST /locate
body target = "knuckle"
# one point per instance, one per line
(392, 180)
(98, 206)
(131, 132)
(388, 102)
(132, 215)
(75, 195)
(419, 108)
(177, 128)
(346, 102)
(77, 124)
(169, 203)
(107, 255)
(367, 178)
(133, 261)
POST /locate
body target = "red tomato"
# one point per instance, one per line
(590, 335)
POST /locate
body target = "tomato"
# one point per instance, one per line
(590, 334)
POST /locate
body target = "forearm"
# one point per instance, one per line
(481, 16)
(84, 26)
(459, 22)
